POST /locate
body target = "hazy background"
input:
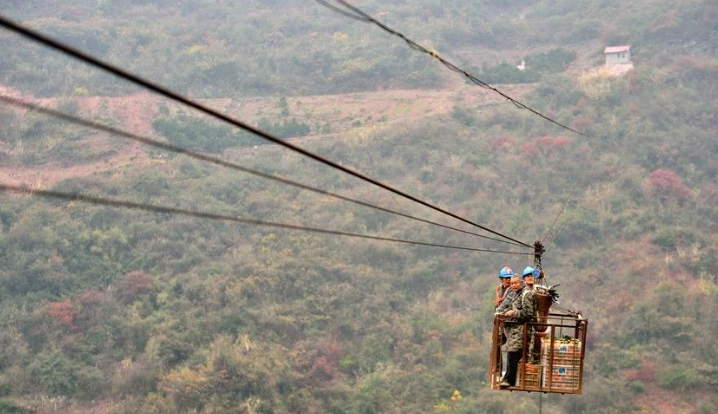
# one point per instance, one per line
(111, 311)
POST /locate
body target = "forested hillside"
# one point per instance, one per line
(106, 310)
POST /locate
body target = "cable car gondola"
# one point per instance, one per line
(554, 345)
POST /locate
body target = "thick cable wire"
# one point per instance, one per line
(77, 54)
(76, 197)
(560, 212)
(340, 11)
(360, 15)
(555, 235)
(572, 193)
(218, 161)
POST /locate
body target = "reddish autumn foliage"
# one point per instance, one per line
(647, 371)
(319, 361)
(326, 367)
(62, 314)
(667, 184)
(134, 284)
(644, 373)
(544, 145)
(501, 143)
(333, 351)
(631, 374)
(91, 298)
(323, 370)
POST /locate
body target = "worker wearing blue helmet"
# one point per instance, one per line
(504, 297)
(504, 288)
(528, 275)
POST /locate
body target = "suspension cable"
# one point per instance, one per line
(82, 56)
(218, 161)
(212, 216)
(357, 14)
(342, 12)
(560, 212)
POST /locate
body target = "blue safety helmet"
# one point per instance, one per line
(529, 271)
(506, 272)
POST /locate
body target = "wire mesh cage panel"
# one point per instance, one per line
(551, 357)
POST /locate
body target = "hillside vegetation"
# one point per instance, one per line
(109, 310)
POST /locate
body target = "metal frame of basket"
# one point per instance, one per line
(553, 363)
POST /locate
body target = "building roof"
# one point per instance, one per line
(617, 49)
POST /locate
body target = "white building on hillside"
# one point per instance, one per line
(618, 55)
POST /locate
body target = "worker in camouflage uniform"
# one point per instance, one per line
(534, 349)
(523, 310)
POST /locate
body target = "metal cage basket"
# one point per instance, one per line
(552, 354)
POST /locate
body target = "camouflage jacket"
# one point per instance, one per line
(506, 303)
(524, 306)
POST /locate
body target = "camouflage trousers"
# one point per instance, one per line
(515, 337)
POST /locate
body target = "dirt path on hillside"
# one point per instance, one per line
(133, 113)
(334, 114)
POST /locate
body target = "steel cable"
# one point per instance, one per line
(218, 161)
(360, 15)
(77, 54)
(219, 217)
